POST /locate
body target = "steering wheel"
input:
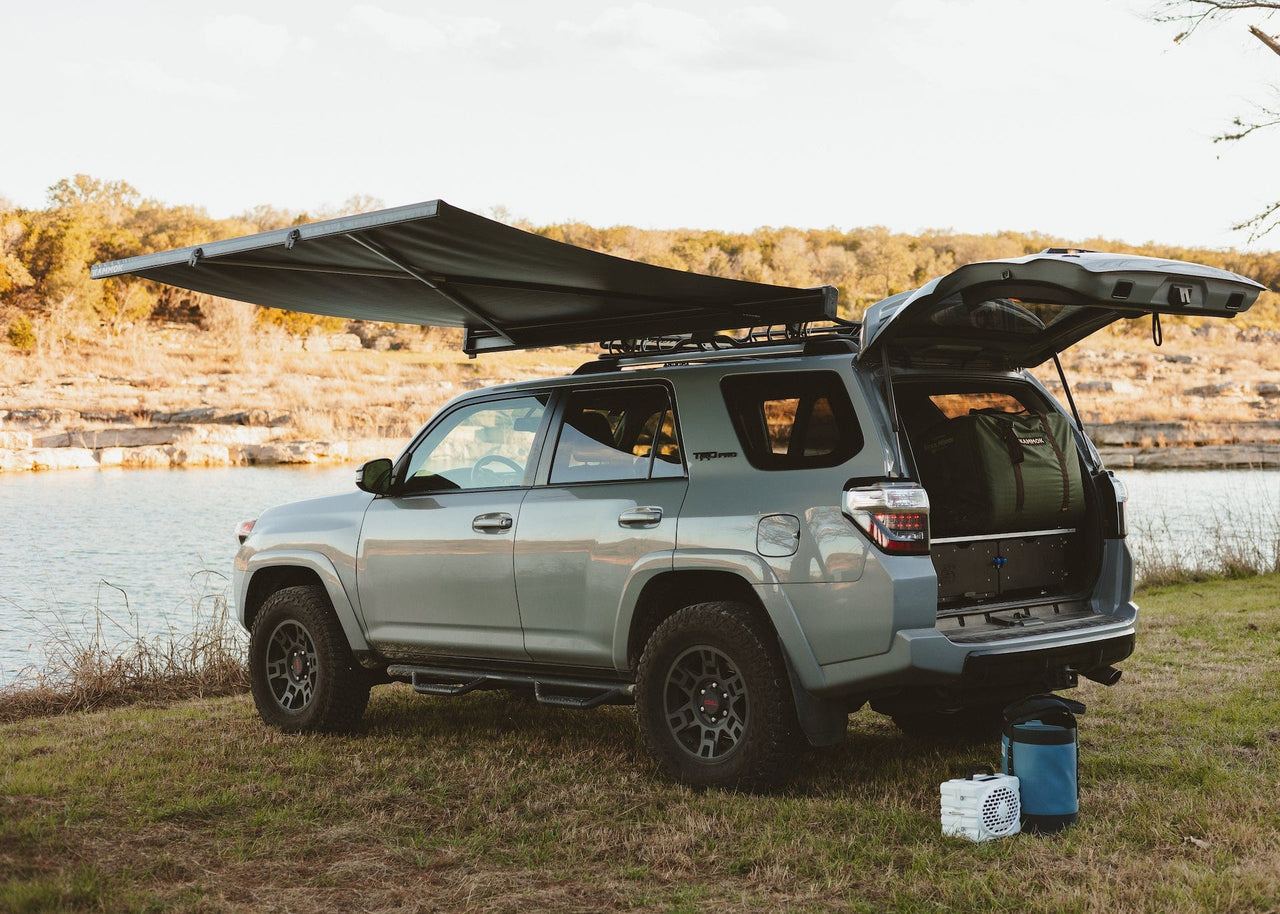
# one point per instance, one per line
(480, 465)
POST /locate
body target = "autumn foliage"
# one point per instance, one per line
(45, 255)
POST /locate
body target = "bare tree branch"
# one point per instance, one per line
(1266, 39)
(1218, 6)
(1197, 12)
(1194, 13)
(1264, 222)
(1247, 127)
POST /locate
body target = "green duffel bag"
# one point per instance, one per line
(998, 472)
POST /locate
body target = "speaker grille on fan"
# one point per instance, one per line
(1000, 811)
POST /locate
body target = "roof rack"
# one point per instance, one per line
(806, 337)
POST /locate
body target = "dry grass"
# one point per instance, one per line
(1161, 379)
(1235, 544)
(321, 395)
(370, 393)
(492, 803)
(113, 664)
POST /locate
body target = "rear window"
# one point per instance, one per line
(953, 405)
(617, 433)
(792, 420)
(922, 407)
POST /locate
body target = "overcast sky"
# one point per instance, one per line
(1077, 119)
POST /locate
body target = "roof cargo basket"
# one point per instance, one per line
(801, 338)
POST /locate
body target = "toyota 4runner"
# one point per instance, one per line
(749, 536)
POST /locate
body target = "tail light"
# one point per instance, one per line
(244, 528)
(1121, 496)
(893, 515)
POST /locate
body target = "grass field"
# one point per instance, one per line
(493, 803)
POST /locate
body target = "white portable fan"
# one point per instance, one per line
(981, 807)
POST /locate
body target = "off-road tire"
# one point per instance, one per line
(696, 659)
(301, 671)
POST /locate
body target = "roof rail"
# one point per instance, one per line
(808, 337)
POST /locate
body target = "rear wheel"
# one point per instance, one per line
(713, 699)
(301, 671)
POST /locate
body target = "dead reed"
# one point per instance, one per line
(109, 664)
(1233, 543)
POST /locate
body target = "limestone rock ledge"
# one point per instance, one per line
(1210, 457)
(17, 453)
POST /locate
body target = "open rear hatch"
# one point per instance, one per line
(1018, 516)
(1007, 314)
(434, 264)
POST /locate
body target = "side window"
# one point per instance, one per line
(617, 433)
(792, 420)
(483, 446)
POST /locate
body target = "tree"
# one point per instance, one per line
(886, 264)
(13, 272)
(1191, 14)
(87, 221)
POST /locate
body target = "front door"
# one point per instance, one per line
(434, 571)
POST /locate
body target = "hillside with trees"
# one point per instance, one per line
(48, 300)
(130, 373)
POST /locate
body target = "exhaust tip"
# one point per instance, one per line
(1107, 675)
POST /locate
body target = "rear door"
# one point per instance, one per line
(1005, 314)
(614, 483)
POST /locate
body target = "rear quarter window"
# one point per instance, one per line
(792, 420)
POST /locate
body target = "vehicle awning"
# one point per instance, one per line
(434, 264)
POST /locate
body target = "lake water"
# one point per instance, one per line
(137, 550)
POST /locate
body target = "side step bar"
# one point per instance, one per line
(548, 690)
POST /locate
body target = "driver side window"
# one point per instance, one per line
(483, 446)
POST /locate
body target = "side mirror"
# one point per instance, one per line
(374, 476)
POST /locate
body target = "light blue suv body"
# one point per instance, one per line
(749, 536)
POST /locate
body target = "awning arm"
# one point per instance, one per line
(308, 268)
(452, 297)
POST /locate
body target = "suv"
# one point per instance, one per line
(747, 536)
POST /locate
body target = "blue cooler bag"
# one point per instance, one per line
(1039, 747)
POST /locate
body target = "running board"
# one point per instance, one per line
(440, 681)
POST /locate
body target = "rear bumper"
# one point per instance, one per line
(921, 656)
(1044, 669)
(927, 658)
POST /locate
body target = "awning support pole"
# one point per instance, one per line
(451, 297)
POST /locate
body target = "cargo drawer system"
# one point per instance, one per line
(983, 568)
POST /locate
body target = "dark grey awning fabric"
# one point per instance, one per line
(431, 263)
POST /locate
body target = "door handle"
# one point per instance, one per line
(492, 523)
(647, 516)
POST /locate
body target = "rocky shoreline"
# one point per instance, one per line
(1188, 445)
(57, 439)
(61, 439)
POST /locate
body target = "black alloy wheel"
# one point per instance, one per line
(292, 669)
(713, 699)
(301, 670)
(706, 703)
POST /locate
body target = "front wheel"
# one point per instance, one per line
(714, 701)
(301, 671)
